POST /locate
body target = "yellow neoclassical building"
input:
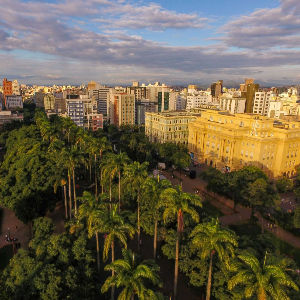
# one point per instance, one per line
(168, 126)
(229, 142)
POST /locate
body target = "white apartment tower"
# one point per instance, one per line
(261, 103)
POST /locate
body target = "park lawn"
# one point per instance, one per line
(209, 210)
(6, 253)
(253, 230)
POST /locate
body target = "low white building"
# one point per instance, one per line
(14, 101)
(234, 105)
(195, 100)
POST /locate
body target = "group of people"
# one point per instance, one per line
(10, 239)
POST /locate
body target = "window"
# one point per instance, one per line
(242, 152)
(251, 154)
(246, 154)
(227, 149)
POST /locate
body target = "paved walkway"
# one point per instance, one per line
(9, 222)
(240, 214)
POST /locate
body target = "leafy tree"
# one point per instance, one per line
(211, 239)
(132, 273)
(27, 175)
(266, 280)
(284, 184)
(260, 193)
(176, 204)
(296, 217)
(54, 267)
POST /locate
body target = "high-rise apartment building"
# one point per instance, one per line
(82, 110)
(216, 88)
(121, 108)
(261, 104)
(141, 107)
(7, 89)
(249, 95)
(15, 88)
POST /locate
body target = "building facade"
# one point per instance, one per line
(234, 105)
(230, 142)
(173, 126)
(121, 109)
(14, 101)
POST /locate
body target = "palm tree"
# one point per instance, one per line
(118, 162)
(136, 175)
(209, 238)
(54, 151)
(176, 204)
(112, 223)
(72, 158)
(131, 273)
(266, 280)
(152, 191)
(90, 205)
(108, 172)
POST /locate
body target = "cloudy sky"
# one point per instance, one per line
(172, 41)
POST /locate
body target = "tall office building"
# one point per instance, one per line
(163, 101)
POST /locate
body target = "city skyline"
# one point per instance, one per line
(117, 42)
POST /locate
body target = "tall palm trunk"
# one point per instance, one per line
(66, 203)
(139, 227)
(96, 184)
(176, 263)
(101, 182)
(119, 191)
(209, 276)
(74, 191)
(90, 166)
(112, 272)
(70, 194)
(155, 236)
(98, 252)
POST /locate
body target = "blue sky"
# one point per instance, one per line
(174, 42)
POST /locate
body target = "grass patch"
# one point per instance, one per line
(6, 253)
(253, 231)
(249, 229)
(210, 210)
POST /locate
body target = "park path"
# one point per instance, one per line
(10, 223)
(231, 216)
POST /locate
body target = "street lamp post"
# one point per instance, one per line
(8, 233)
